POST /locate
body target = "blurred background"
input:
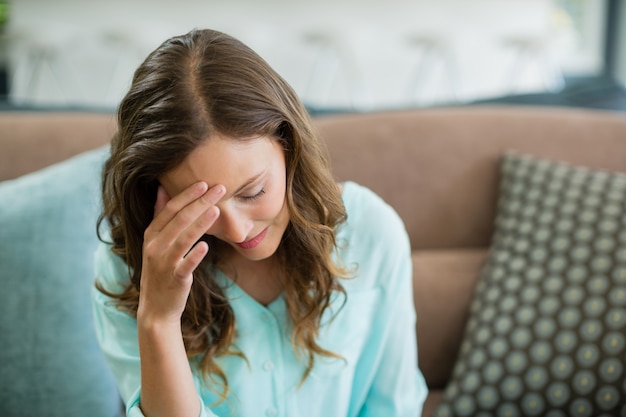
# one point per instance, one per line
(355, 55)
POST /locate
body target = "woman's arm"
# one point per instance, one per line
(167, 387)
(388, 365)
(170, 255)
(398, 387)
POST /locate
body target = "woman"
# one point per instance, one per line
(237, 278)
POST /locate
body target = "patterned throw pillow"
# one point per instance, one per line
(546, 334)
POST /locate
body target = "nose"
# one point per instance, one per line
(234, 225)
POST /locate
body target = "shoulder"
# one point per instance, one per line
(370, 218)
(373, 241)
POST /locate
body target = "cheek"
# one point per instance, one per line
(275, 203)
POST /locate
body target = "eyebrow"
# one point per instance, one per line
(249, 182)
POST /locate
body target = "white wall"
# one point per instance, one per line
(83, 52)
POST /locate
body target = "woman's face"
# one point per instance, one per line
(253, 212)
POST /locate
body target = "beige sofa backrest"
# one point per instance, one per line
(32, 140)
(439, 167)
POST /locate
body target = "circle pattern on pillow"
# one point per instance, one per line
(546, 334)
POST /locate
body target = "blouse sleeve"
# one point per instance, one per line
(116, 332)
(398, 387)
(389, 362)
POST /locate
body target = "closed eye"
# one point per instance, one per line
(253, 197)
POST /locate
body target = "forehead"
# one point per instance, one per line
(225, 161)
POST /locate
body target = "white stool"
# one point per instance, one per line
(333, 63)
(36, 73)
(532, 52)
(432, 52)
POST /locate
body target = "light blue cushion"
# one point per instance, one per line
(50, 362)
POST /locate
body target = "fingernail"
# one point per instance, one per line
(202, 186)
(220, 190)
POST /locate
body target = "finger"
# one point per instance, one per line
(187, 238)
(192, 260)
(186, 227)
(189, 214)
(175, 204)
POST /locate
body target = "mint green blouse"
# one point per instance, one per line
(374, 332)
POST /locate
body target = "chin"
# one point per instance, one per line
(257, 254)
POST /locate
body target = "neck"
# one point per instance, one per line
(261, 280)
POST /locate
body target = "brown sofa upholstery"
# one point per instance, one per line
(437, 167)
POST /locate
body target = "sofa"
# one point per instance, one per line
(440, 168)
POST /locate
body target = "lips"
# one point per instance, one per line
(254, 242)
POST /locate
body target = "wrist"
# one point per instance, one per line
(153, 323)
(159, 339)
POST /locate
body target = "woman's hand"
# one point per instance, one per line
(171, 250)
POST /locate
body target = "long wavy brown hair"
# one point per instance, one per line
(192, 87)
